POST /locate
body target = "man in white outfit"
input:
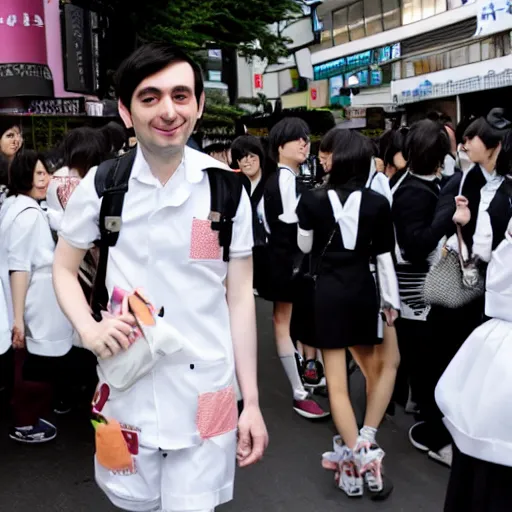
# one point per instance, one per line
(180, 417)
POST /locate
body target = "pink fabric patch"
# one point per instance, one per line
(204, 242)
(217, 413)
(66, 188)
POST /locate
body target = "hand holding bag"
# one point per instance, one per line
(453, 282)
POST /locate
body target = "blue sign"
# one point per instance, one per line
(357, 61)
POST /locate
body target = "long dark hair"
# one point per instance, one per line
(352, 155)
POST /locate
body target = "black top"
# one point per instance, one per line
(422, 215)
(374, 235)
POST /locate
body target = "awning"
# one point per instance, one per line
(25, 80)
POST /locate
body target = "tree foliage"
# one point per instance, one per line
(193, 24)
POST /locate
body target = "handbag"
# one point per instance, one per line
(453, 282)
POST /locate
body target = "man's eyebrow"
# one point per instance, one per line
(182, 88)
(148, 90)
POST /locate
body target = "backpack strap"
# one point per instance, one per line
(111, 182)
(226, 192)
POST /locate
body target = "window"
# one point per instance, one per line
(391, 13)
(326, 34)
(474, 53)
(412, 11)
(459, 57)
(429, 8)
(340, 26)
(356, 21)
(440, 6)
(373, 17)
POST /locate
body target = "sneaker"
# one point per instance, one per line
(62, 407)
(314, 374)
(444, 455)
(309, 408)
(419, 436)
(40, 433)
(368, 457)
(346, 475)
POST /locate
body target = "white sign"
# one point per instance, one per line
(494, 16)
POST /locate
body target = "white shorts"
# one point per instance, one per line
(195, 479)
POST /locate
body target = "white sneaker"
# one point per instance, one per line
(368, 457)
(346, 474)
(444, 455)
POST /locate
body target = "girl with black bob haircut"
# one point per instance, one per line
(344, 226)
(289, 148)
(38, 323)
(149, 60)
(82, 149)
(248, 156)
(422, 215)
(391, 146)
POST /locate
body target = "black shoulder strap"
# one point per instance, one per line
(111, 182)
(226, 192)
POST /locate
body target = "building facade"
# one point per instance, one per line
(408, 56)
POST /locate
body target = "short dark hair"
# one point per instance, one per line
(147, 60)
(114, 136)
(426, 147)
(391, 143)
(329, 141)
(286, 130)
(246, 144)
(493, 130)
(82, 149)
(21, 172)
(351, 159)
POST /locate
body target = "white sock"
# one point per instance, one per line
(368, 433)
(292, 372)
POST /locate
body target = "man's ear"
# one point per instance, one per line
(125, 114)
(202, 101)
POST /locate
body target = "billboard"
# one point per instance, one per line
(22, 32)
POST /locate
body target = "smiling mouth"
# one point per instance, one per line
(168, 132)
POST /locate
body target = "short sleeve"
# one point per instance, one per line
(22, 242)
(288, 191)
(242, 241)
(304, 212)
(80, 224)
(383, 234)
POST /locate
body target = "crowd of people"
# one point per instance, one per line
(392, 258)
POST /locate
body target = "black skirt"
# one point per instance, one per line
(478, 486)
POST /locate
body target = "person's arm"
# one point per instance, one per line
(305, 232)
(252, 433)
(78, 232)
(19, 287)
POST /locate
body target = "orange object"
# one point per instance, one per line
(141, 310)
(111, 449)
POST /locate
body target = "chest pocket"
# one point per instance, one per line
(204, 242)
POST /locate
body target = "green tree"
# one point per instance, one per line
(193, 24)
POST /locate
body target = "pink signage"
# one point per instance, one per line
(22, 32)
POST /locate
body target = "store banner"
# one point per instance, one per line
(319, 94)
(493, 16)
(22, 32)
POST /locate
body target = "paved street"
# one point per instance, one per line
(58, 477)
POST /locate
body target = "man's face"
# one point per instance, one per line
(164, 109)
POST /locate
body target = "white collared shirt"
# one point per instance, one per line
(167, 248)
(28, 246)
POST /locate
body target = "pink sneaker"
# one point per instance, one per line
(309, 408)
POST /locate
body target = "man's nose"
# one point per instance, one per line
(168, 110)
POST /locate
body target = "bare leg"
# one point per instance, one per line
(282, 319)
(341, 407)
(379, 365)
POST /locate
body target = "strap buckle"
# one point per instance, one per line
(113, 224)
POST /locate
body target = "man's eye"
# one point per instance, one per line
(148, 100)
(180, 97)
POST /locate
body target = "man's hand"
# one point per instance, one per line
(252, 436)
(18, 336)
(108, 337)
